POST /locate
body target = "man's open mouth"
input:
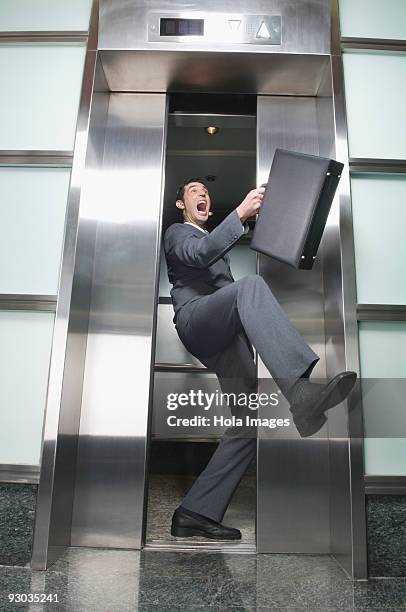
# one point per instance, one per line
(201, 206)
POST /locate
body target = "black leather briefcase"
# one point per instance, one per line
(295, 207)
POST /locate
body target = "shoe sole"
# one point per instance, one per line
(335, 392)
(309, 428)
(189, 532)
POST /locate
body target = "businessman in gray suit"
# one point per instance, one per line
(218, 320)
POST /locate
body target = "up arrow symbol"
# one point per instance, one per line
(263, 31)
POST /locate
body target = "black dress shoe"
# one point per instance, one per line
(185, 525)
(309, 401)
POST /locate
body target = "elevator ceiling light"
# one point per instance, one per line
(212, 129)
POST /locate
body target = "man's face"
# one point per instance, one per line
(196, 203)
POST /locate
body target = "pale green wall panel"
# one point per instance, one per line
(385, 457)
(40, 95)
(44, 15)
(32, 220)
(382, 356)
(379, 217)
(373, 18)
(375, 93)
(25, 347)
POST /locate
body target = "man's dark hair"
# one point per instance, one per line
(181, 191)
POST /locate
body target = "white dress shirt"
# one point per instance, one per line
(245, 226)
(198, 227)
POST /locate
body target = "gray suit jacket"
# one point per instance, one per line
(198, 263)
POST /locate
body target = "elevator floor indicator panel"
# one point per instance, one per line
(214, 28)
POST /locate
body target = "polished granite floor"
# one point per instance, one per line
(99, 580)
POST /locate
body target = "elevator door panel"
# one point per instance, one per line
(292, 491)
(109, 497)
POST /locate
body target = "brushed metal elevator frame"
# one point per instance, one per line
(54, 530)
(53, 514)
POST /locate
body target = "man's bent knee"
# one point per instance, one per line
(251, 280)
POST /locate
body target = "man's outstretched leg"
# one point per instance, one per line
(249, 305)
(283, 352)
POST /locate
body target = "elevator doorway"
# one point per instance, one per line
(226, 161)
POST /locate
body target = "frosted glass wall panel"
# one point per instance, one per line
(40, 95)
(379, 216)
(25, 346)
(382, 355)
(32, 219)
(44, 15)
(375, 91)
(373, 18)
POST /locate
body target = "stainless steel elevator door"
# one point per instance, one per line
(293, 473)
(109, 495)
